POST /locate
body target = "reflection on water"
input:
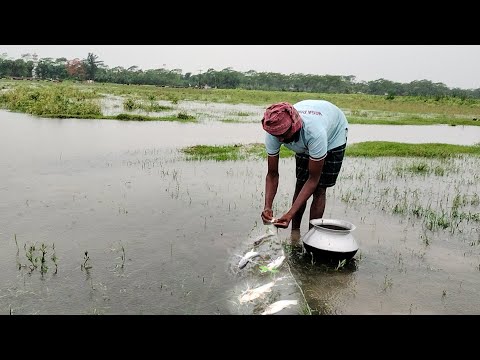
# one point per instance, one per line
(325, 285)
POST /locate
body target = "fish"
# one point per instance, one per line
(252, 294)
(276, 263)
(262, 238)
(279, 305)
(247, 257)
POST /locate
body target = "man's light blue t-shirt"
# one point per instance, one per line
(324, 128)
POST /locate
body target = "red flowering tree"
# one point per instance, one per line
(76, 69)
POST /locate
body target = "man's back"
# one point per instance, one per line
(324, 127)
(322, 116)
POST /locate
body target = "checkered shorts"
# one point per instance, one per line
(331, 167)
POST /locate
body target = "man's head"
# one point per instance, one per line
(281, 120)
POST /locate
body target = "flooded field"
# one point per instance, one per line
(109, 217)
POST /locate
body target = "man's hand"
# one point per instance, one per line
(267, 216)
(283, 222)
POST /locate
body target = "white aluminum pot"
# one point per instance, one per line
(330, 240)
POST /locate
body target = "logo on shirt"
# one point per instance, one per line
(310, 112)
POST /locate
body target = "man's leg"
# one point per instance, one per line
(318, 204)
(297, 218)
(301, 173)
(330, 171)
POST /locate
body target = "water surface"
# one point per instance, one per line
(103, 185)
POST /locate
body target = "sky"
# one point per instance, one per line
(452, 65)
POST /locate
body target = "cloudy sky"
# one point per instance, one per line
(452, 65)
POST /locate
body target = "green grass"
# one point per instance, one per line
(429, 150)
(415, 120)
(123, 117)
(422, 168)
(217, 153)
(181, 117)
(130, 104)
(355, 102)
(414, 110)
(230, 152)
(51, 101)
(365, 149)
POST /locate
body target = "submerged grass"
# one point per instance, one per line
(123, 117)
(181, 117)
(130, 104)
(229, 152)
(422, 168)
(412, 188)
(363, 149)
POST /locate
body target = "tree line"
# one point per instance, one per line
(91, 68)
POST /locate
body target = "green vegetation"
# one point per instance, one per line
(266, 269)
(37, 258)
(62, 101)
(48, 101)
(421, 168)
(351, 103)
(410, 187)
(365, 149)
(430, 150)
(130, 104)
(82, 100)
(415, 120)
(221, 153)
(230, 152)
(181, 117)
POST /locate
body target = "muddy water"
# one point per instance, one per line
(102, 186)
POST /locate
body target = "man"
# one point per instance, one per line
(316, 130)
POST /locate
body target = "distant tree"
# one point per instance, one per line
(47, 68)
(91, 64)
(76, 69)
(21, 68)
(227, 78)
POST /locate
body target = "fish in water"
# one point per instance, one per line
(279, 305)
(247, 257)
(276, 263)
(269, 232)
(262, 238)
(252, 294)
